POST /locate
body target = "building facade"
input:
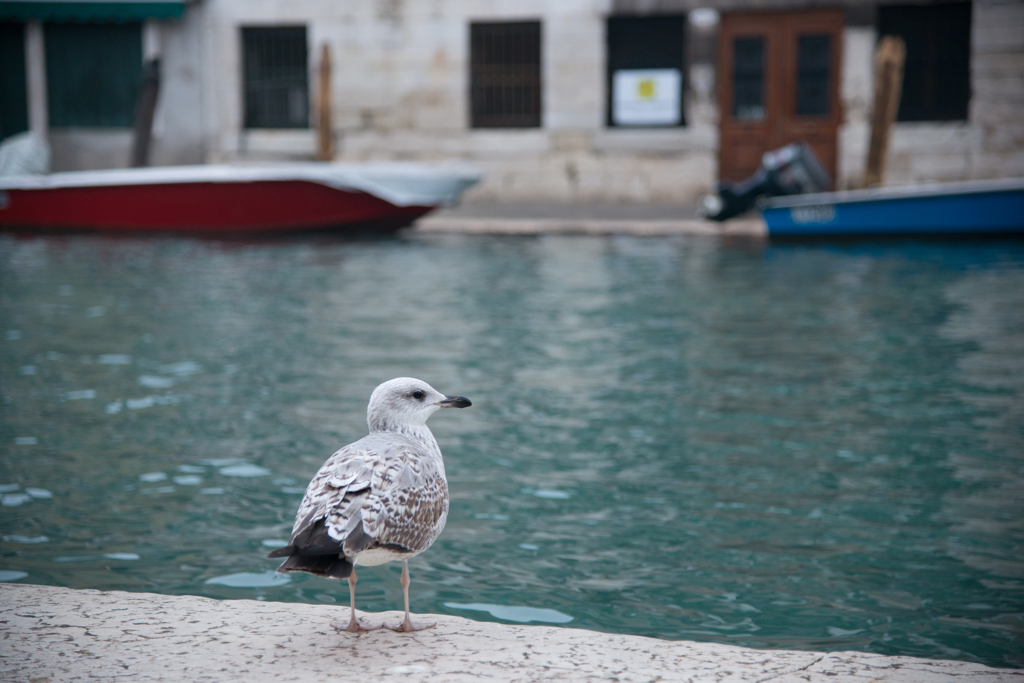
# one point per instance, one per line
(574, 100)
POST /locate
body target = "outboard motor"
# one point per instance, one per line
(792, 169)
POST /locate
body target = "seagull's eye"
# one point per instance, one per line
(418, 395)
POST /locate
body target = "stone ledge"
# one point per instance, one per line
(573, 226)
(59, 634)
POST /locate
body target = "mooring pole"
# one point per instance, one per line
(889, 58)
(325, 150)
(144, 113)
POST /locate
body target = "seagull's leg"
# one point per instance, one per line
(353, 625)
(407, 626)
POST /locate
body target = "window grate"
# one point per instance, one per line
(276, 77)
(505, 83)
(937, 73)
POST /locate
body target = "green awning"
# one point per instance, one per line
(87, 10)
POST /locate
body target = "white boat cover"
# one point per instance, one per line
(24, 154)
(400, 183)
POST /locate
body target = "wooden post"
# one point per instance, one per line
(326, 146)
(889, 58)
(145, 109)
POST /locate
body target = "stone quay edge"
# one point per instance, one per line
(748, 227)
(50, 634)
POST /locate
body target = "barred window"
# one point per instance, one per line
(276, 77)
(504, 80)
(937, 72)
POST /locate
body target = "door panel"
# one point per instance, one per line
(746, 97)
(745, 152)
(778, 83)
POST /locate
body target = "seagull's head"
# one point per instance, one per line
(407, 402)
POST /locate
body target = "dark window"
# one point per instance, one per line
(504, 79)
(937, 74)
(748, 78)
(93, 73)
(13, 94)
(276, 77)
(646, 43)
(814, 71)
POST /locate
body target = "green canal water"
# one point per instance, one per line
(786, 446)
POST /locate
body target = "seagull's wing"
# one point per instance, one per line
(335, 492)
(374, 492)
(407, 505)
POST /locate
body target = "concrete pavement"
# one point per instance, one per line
(587, 219)
(52, 634)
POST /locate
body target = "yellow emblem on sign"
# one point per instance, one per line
(646, 89)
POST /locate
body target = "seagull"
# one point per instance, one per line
(380, 499)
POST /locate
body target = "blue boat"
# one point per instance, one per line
(982, 207)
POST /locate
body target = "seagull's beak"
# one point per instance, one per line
(455, 402)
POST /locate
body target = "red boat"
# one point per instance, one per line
(227, 199)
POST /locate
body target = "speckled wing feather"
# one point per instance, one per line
(379, 491)
(408, 501)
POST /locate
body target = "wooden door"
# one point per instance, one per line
(778, 82)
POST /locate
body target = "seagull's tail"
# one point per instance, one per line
(328, 566)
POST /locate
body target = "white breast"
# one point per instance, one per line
(375, 556)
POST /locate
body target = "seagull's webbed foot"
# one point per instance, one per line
(353, 626)
(408, 627)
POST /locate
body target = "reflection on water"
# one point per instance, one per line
(777, 446)
(522, 615)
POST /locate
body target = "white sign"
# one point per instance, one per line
(647, 97)
(821, 213)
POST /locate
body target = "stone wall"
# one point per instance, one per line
(997, 78)
(178, 119)
(400, 91)
(990, 144)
